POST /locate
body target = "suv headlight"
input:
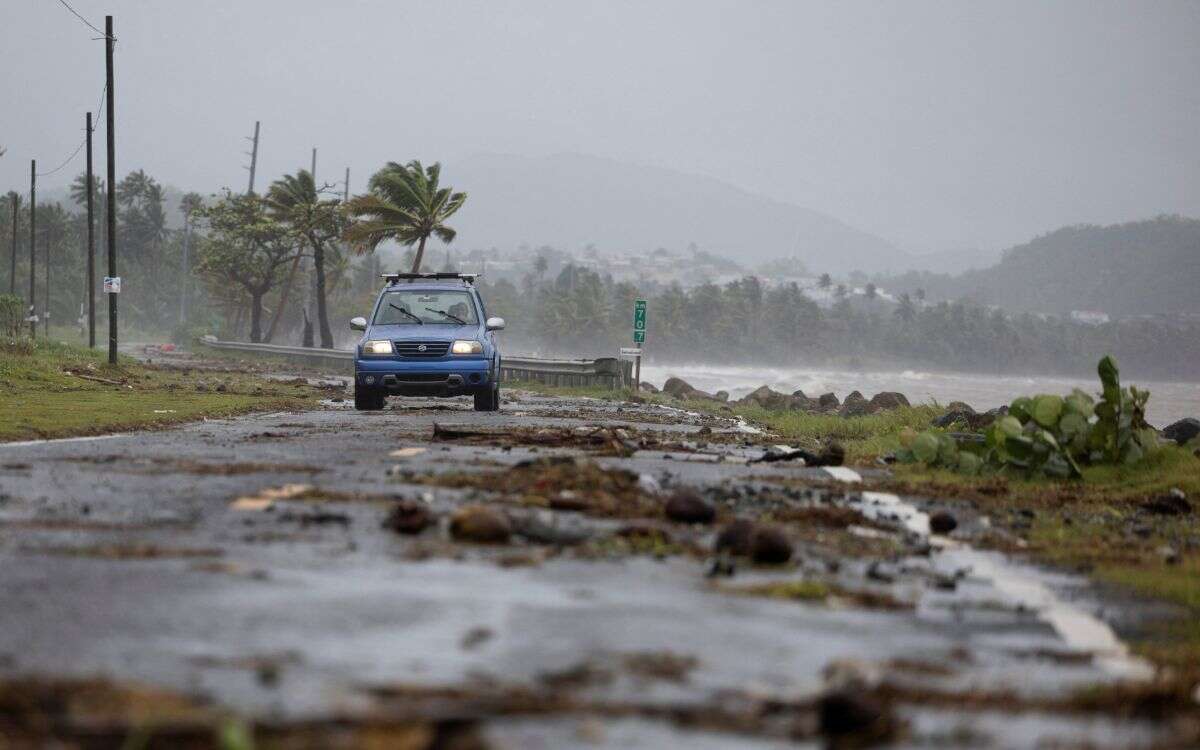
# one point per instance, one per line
(377, 347)
(467, 347)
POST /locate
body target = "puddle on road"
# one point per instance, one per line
(1022, 587)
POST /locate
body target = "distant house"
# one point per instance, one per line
(1089, 317)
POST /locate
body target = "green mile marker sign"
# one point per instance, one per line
(639, 321)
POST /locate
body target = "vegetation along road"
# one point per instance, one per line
(584, 571)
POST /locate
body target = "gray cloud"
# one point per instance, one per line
(934, 125)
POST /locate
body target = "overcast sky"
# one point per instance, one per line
(935, 125)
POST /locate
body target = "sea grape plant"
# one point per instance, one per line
(1047, 435)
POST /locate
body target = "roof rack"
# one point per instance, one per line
(393, 278)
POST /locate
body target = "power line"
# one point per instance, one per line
(85, 21)
(78, 148)
(65, 163)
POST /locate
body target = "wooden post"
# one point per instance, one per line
(32, 246)
(253, 158)
(46, 260)
(12, 275)
(91, 242)
(111, 207)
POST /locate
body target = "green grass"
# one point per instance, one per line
(864, 438)
(39, 398)
(1086, 525)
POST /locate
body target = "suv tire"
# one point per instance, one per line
(368, 399)
(488, 400)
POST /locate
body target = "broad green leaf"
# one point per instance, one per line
(1047, 409)
(925, 447)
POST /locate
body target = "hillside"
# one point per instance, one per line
(1139, 268)
(569, 201)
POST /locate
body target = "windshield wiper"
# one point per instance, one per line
(406, 312)
(445, 314)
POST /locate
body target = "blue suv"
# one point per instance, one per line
(429, 335)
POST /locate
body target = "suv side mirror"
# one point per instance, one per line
(495, 324)
(358, 324)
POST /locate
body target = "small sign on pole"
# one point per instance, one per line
(639, 337)
(630, 351)
(112, 284)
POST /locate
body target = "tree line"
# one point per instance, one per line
(287, 262)
(749, 322)
(262, 262)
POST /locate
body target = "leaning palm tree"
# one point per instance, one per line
(295, 200)
(406, 204)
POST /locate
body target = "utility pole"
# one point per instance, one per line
(111, 203)
(12, 274)
(185, 276)
(346, 187)
(32, 247)
(253, 157)
(46, 260)
(91, 242)
(310, 294)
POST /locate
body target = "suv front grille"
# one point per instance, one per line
(421, 348)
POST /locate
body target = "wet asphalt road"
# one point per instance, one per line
(129, 557)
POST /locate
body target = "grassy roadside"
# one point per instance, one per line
(50, 390)
(1106, 526)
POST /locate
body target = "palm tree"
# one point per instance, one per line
(294, 200)
(189, 204)
(826, 281)
(12, 202)
(130, 189)
(405, 204)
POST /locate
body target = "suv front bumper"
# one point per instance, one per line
(436, 378)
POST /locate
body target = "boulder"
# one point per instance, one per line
(855, 405)
(677, 387)
(1182, 431)
(408, 517)
(722, 396)
(687, 506)
(681, 389)
(828, 402)
(846, 715)
(960, 406)
(767, 398)
(481, 524)
(802, 402)
(1174, 503)
(736, 538)
(885, 401)
(942, 522)
(649, 387)
(770, 546)
(775, 401)
(972, 420)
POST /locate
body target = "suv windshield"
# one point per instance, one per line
(414, 307)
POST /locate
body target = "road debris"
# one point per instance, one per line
(265, 498)
(409, 517)
(687, 506)
(481, 524)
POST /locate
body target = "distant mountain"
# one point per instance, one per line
(570, 201)
(954, 261)
(1139, 268)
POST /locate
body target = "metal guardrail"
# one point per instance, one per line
(606, 371)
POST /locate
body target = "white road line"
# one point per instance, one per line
(843, 474)
(89, 438)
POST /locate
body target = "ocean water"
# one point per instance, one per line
(1169, 401)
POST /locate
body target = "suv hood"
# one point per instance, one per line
(428, 331)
